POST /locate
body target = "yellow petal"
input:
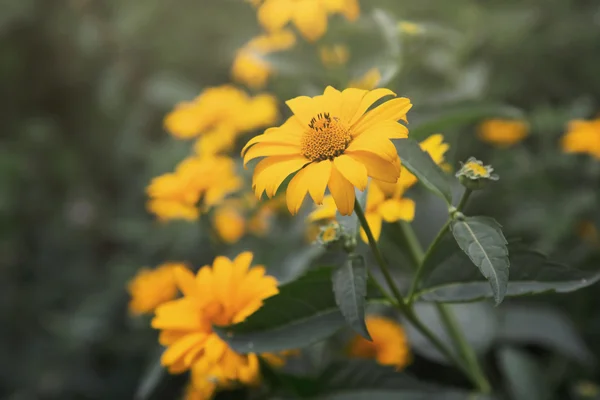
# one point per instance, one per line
(367, 101)
(352, 170)
(243, 260)
(375, 197)
(310, 18)
(392, 110)
(374, 222)
(265, 149)
(351, 100)
(186, 281)
(324, 211)
(342, 192)
(319, 176)
(373, 142)
(274, 14)
(377, 167)
(393, 210)
(304, 108)
(389, 129)
(178, 349)
(270, 173)
(297, 189)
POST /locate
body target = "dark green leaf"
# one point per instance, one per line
(461, 116)
(350, 290)
(303, 313)
(482, 240)
(358, 380)
(423, 167)
(450, 275)
(543, 326)
(524, 377)
(157, 383)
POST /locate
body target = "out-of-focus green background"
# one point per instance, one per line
(84, 86)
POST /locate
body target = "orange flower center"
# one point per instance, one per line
(325, 138)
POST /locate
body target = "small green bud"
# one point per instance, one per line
(474, 175)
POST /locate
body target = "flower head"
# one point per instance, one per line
(207, 180)
(503, 133)
(389, 345)
(152, 287)
(222, 294)
(583, 137)
(474, 175)
(309, 16)
(333, 142)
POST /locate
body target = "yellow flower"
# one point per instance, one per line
(368, 81)
(583, 137)
(152, 287)
(260, 223)
(410, 28)
(389, 345)
(333, 142)
(250, 67)
(224, 294)
(221, 105)
(434, 145)
(229, 223)
(503, 132)
(219, 140)
(335, 55)
(309, 16)
(207, 179)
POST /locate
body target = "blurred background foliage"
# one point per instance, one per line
(85, 85)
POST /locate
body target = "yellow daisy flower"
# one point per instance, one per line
(152, 287)
(583, 137)
(333, 142)
(503, 132)
(389, 345)
(368, 81)
(309, 16)
(249, 66)
(222, 294)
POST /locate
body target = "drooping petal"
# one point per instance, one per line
(297, 189)
(264, 150)
(374, 142)
(310, 18)
(342, 192)
(377, 167)
(374, 221)
(393, 210)
(275, 14)
(319, 176)
(367, 101)
(352, 170)
(270, 173)
(392, 110)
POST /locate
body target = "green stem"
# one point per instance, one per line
(463, 200)
(378, 256)
(465, 350)
(414, 247)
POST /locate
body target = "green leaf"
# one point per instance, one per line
(423, 167)
(462, 115)
(304, 312)
(451, 278)
(157, 383)
(543, 326)
(350, 289)
(525, 379)
(358, 380)
(482, 240)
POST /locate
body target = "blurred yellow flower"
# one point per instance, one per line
(583, 137)
(434, 145)
(368, 81)
(410, 28)
(229, 222)
(588, 232)
(503, 132)
(389, 345)
(218, 140)
(222, 294)
(309, 16)
(196, 179)
(152, 287)
(260, 223)
(222, 105)
(250, 67)
(333, 142)
(334, 55)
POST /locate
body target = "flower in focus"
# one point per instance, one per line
(368, 81)
(222, 105)
(583, 137)
(309, 16)
(152, 287)
(250, 67)
(334, 56)
(205, 180)
(434, 146)
(474, 175)
(389, 345)
(229, 222)
(503, 132)
(222, 294)
(333, 142)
